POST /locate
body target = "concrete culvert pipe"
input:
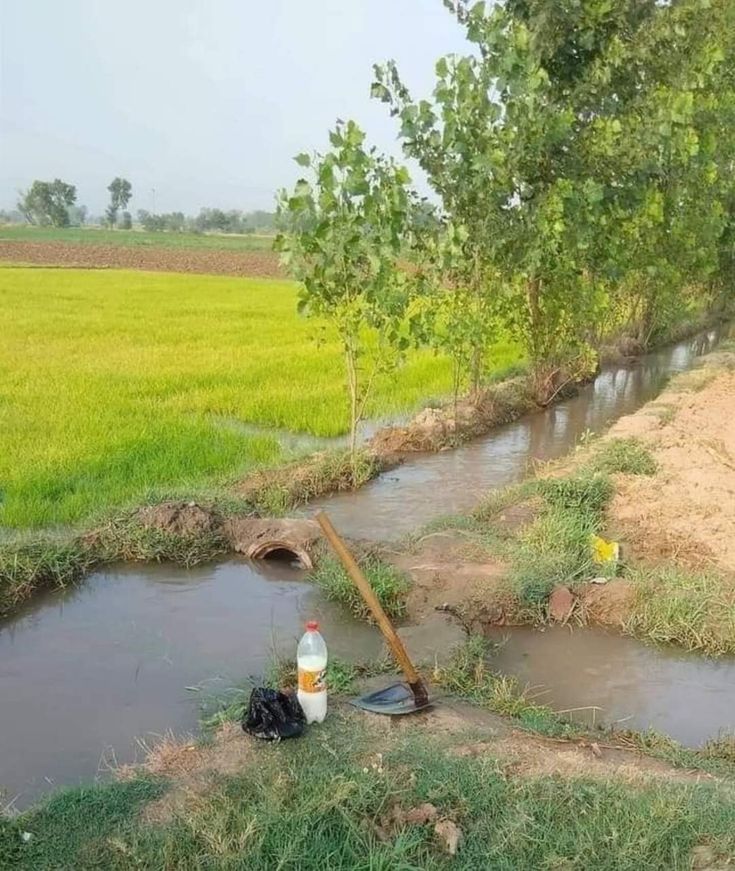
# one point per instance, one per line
(280, 550)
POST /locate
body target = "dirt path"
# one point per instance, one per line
(256, 264)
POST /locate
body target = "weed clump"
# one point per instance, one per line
(693, 609)
(390, 586)
(625, 456)
(276, 491)
(555, 549)
(127, 538)
(40, 564)
(469, 676)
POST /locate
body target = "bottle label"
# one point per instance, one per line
(312, 681)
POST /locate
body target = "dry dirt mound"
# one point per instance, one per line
(436, 428)
(179, 518)
(686, 512)
(244, 263)
(447, 575)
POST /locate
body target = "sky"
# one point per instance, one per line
(198, 102)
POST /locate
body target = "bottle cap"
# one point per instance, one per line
(312, 626)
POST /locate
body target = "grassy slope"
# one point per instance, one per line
(98, 236)
(116, 385)
(317, 803)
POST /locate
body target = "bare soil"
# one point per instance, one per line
(684, 513)
(449, 574)
(434, 429)
(255, 264)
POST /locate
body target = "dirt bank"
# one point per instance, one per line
(685, 512)
(256, 264)
(670, 470)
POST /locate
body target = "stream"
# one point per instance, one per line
(88, 675)
(428, 486)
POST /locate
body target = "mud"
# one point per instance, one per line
(180, 518)
(255, 264)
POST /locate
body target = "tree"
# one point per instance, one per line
(48, 203)
(343, 233)
(120, 193)
(448, 139)
(576, 150)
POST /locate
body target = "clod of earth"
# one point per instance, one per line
(449, 835)
(561, 604)
(179, 518)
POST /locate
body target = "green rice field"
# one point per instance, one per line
(118, 386)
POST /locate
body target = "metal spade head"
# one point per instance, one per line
(395, 700)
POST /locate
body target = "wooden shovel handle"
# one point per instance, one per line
(371, 600)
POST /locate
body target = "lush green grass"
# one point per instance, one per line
(324, 802)
(389, 585)
(134, 238)
(693, 609)
(625, 456)
(119, 385)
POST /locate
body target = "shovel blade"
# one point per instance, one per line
(394, 701)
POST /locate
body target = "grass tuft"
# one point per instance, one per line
(126, 538)
(42, 564)
(626, 456)
(555, 548)
(274, 492)
(75, 827)
(469, 676)
(693, 609)
(389, 584)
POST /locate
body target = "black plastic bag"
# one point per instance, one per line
(272, 715)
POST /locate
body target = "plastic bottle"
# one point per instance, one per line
(311, 659)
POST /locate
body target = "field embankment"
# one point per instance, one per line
(459, 785)
(661, 483)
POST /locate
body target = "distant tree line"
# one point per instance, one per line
(53, 204)
(208, 221)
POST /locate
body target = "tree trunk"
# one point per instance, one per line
(476, 370)
(351, 361)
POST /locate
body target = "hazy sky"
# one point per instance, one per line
(206, 101)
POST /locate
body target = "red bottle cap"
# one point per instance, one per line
(312, 626)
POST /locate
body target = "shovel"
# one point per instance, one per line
(398, 698)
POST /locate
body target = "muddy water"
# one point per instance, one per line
(431, 485)
(133, 652)
(85, 672)
(608, 678)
